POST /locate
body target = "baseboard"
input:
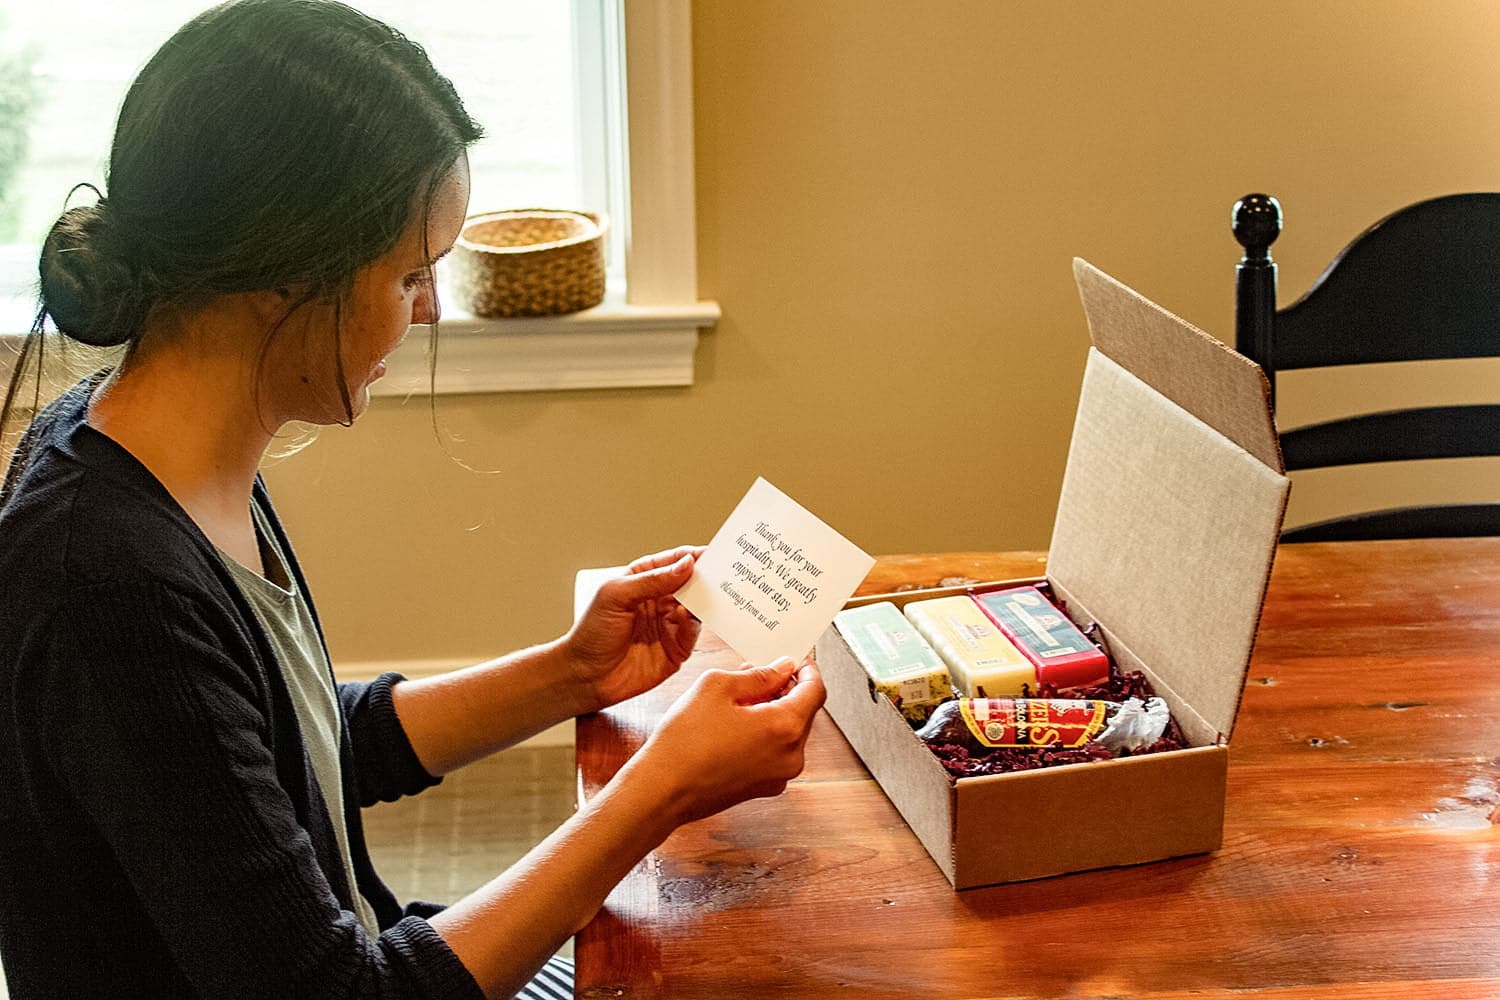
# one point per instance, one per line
(560, 735)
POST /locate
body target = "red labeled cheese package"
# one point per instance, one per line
(1062, 655)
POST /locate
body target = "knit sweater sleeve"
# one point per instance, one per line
(163, 740)
(384, 762)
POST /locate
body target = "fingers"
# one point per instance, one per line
(664, 558)
(680, 633)
(647, 584)
(786, 696)
(807, 692)
(796, 709)
(737, 734)
(752, 685)
(781, 682)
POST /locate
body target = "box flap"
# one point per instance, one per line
(1222, 388)
(1172, 499)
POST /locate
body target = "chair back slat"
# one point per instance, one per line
(1421, 283)
(1394, 436)
(1473, 520)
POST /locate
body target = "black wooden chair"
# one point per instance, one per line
(1422, 283)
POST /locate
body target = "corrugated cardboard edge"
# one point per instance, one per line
(1181, 362)
(1212, 387)
(1165, 533)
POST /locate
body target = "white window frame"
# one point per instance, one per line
(644, 334)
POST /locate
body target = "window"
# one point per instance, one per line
(547, 80)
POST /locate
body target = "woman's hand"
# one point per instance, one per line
(734, 735)
(634, 634)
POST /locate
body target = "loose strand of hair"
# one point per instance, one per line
(308, 296)
(433, 340)
(31, 352)
(338, 362)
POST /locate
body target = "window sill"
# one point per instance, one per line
(611, 346)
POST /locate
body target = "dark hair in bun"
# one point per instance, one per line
(268, 144)
(91, 292)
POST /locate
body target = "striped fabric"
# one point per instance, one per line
(553, 982)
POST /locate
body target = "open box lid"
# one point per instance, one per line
(1172, 501)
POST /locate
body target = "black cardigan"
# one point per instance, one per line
(161, 830)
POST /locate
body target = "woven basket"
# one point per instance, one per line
(529, 262)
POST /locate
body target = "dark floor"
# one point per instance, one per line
(452, 839)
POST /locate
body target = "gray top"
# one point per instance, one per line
(309, 678)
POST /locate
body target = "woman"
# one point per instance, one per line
(180, 777)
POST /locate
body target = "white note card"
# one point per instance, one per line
(773, 577)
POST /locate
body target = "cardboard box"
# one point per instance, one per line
(1166, 528)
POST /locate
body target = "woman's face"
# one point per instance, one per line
(393, 292)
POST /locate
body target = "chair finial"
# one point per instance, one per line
(1256, 221)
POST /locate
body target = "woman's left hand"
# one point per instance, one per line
(634, 634)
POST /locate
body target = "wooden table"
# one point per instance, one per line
(1361, 856)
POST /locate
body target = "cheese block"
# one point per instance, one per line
(900, 663)
(1062, 655)
(982, 661)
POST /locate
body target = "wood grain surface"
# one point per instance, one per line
(1362, 835)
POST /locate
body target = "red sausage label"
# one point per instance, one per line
(1033, 722)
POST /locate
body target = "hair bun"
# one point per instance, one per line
(91, 294)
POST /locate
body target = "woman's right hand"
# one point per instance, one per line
(734, 735)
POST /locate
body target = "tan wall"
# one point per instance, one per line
(889, 196)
